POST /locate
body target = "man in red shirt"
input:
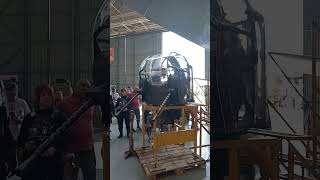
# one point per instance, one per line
(135, 106)
(81, 133)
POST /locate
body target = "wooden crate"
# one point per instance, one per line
(171, 159)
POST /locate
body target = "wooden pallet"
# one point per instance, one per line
(171, 159)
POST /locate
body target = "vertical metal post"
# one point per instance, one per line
(201, 112)
(134, 64)
(118, 63)
(49, 60)
(125, 59)
(183, 119)
(105, 156)
(143, 124)
(314, 90)
(26, 51)
(73, 29)
(290, 162)
(263, 76)
(234, 172)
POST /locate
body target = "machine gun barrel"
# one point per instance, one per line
(126, 105)
(61, 130)
(161, 107)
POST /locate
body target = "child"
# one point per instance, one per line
(125, 114)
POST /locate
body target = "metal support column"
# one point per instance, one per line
(73, 29)
(49, 60)
(314, 91)
(26, 51)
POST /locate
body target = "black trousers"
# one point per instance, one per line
(124, 116)
(137, 114)
(45, 169)
(86, 161)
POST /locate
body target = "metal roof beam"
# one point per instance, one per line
(128, 22)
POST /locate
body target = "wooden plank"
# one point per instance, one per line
(278, 135)
(179, 172)
(173, 159)
(233, 167)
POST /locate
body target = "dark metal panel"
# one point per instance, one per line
(307, 93)
(138, 48)
(9, 31)
(84, 59)
(37, 45)
(61, 7)
(12, 41)
(310, 13)
(61, 27)
(37, 5)
(25, 25)
(38, 28)
(61, 64)
(72, 26)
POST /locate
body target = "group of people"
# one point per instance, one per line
(23, 130)
(121, 107)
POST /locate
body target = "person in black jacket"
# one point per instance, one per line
(125, 114)
(7, 151)
(36, 128)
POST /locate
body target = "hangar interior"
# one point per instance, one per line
(51, 42)
(265, 106)
(138, 30)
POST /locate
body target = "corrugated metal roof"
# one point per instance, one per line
(125, 21)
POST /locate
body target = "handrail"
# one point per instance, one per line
(198, 98)
(265, 132)
(200, 87)
(204, 127)
(202, 111)
(294, 87)
(274, 108)
(202, 79)
(297, 155)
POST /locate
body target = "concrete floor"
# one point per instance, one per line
(130, 169)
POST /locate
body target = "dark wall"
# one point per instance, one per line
(124, 71)
(38, 47)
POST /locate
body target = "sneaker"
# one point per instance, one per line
(133, 130)
(120, 136)
(138, 128)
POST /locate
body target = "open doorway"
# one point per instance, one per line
(195, 54)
